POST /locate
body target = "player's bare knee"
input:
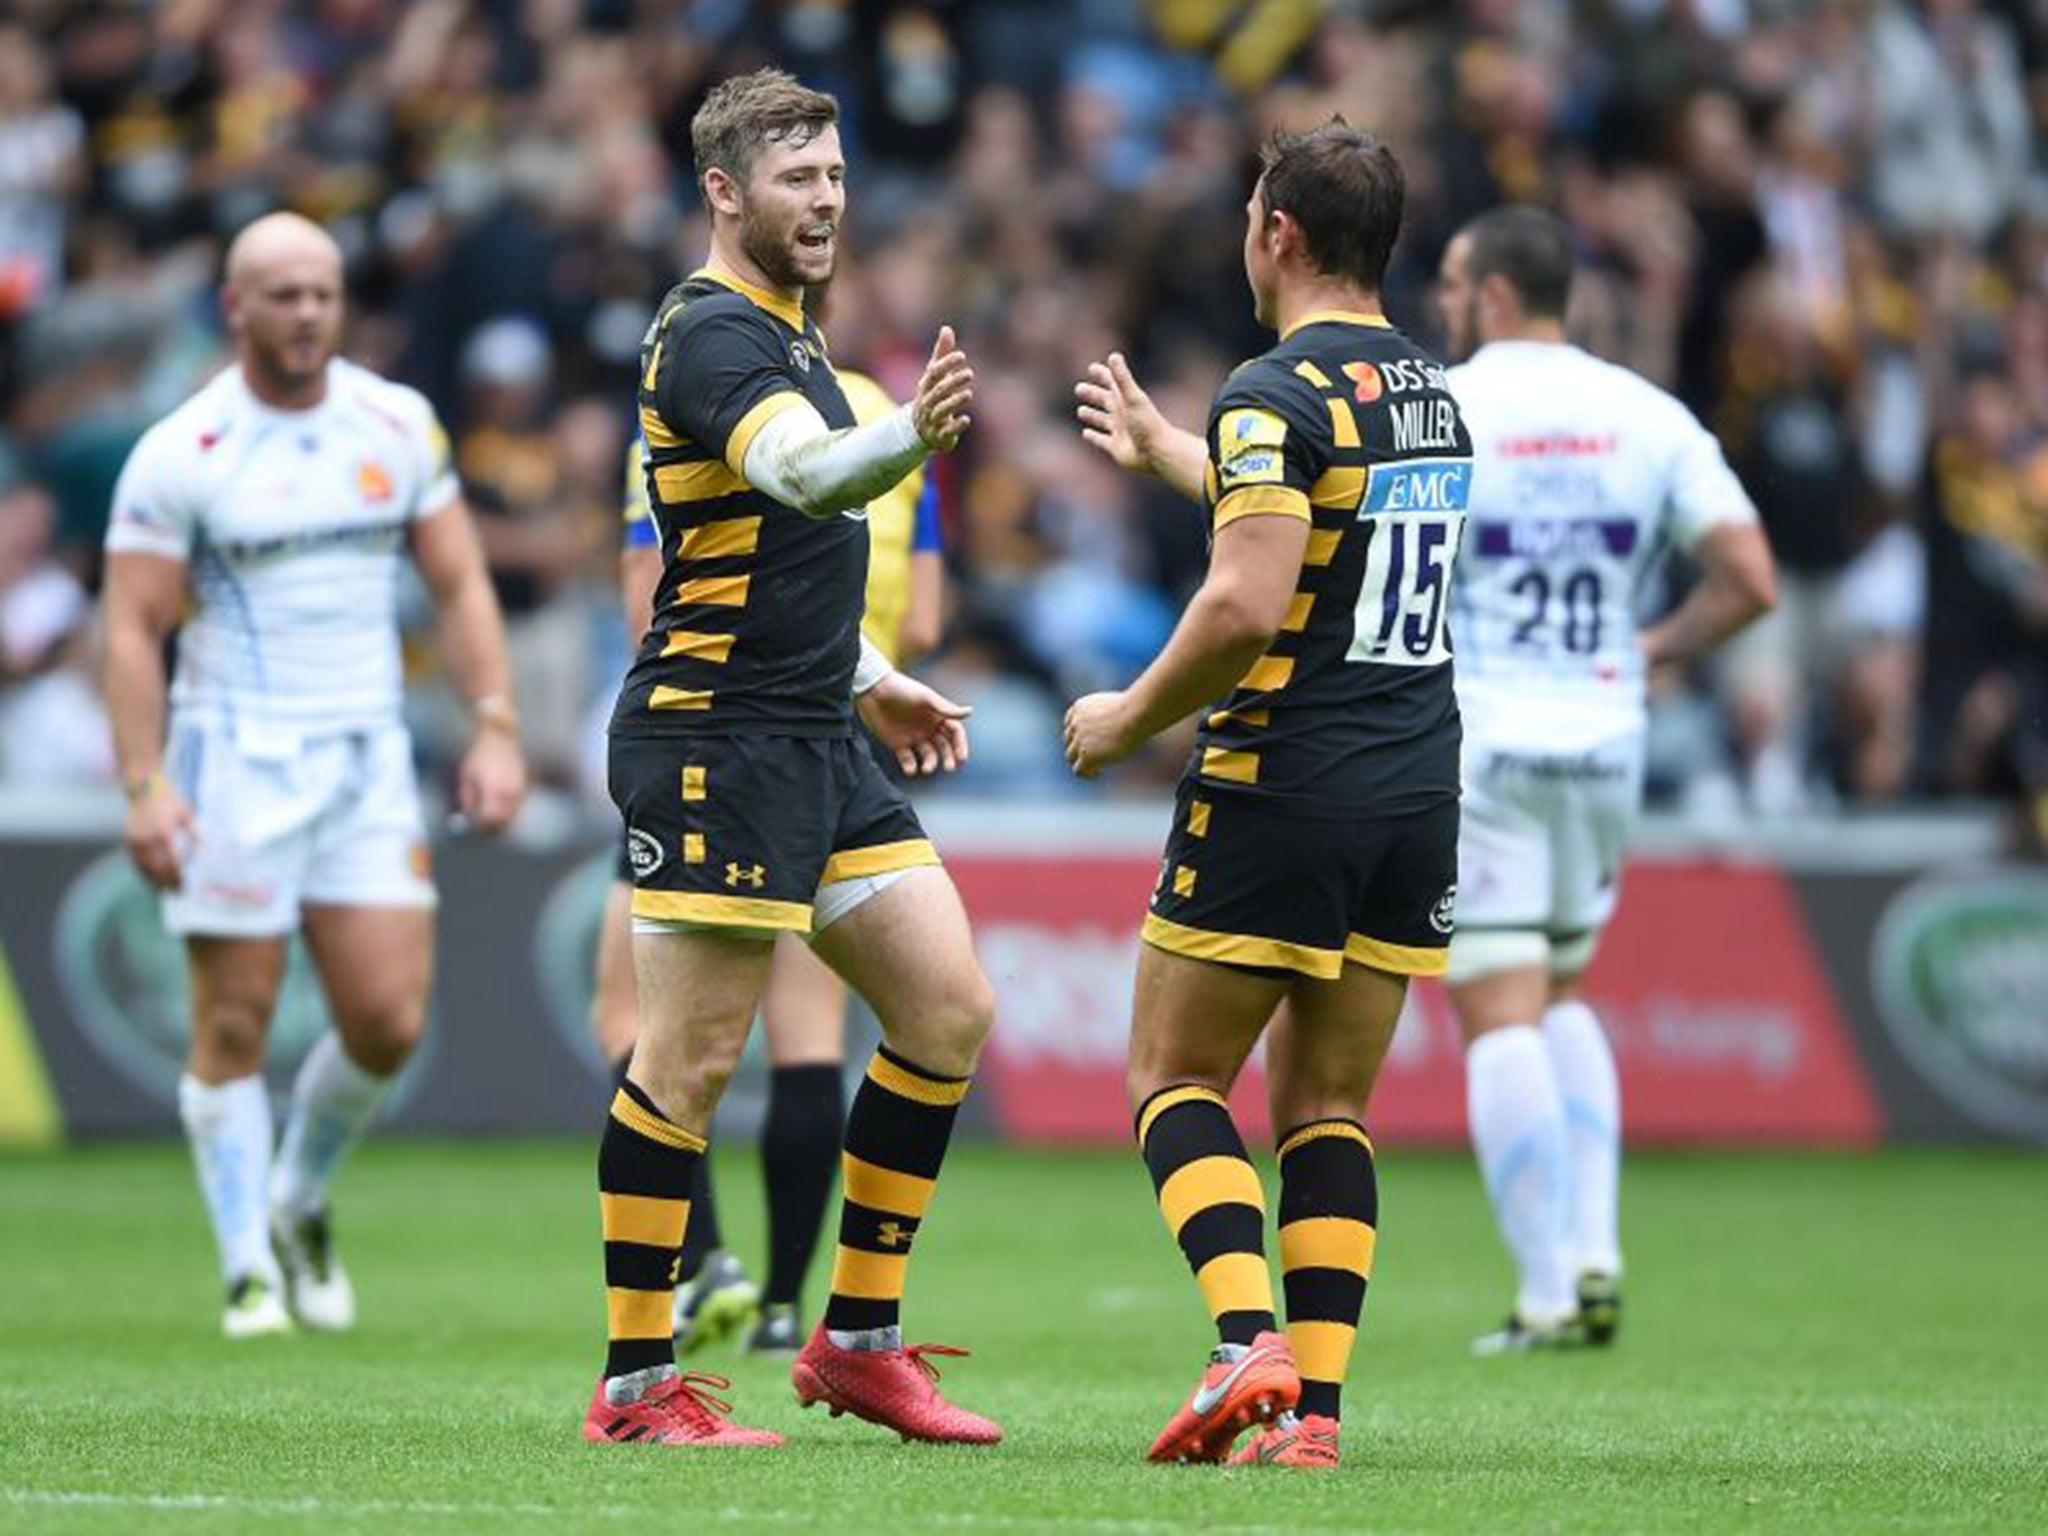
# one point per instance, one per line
(971, 1009)
(228, 1040)
(975, 1011)
(386, 1053)
(1322, 1102)
(689, 1093)
(382, 1040)
(946, 1031)
(1148, 1075)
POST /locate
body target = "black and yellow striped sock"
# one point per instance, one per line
(645, 1166)
(1210, 1195)
(702, 1235)
(1329, 1225)
(896, 1135)
(703, 1231)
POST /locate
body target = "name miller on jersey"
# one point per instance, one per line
(1424, 424)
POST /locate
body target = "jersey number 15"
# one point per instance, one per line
(1404, 595)
(1413, 513)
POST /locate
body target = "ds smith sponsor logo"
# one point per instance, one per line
(1960, 970)
(1397, 376)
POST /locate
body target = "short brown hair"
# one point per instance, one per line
(1345, 189)
(1531, 249)
(744, 115)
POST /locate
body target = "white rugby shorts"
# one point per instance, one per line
(1540, 851)
(287, 817)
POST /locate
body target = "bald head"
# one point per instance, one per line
(280, 239)
(283, 303)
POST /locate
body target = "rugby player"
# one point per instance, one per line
(804, 1010)
(1313, 851)
(752, 807)
(278, 502)
(1584, 474)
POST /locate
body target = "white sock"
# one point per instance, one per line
(1517, 1119)
(1584, 1065)
(620, 1391)
(877, 1340)
(228, 1125)
(333, 1103)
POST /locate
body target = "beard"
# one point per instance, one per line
(295, 363)
(773, 252)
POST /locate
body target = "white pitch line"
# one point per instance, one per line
(63, 1498)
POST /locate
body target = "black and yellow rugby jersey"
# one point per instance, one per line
(1347, 423)
(757, 618)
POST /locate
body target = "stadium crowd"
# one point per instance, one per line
(1824, 223)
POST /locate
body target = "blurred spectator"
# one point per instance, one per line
(1987, 684)
(52, 730)
(41, 166)
(545, 487)
(1787, 428)
(1952, 153)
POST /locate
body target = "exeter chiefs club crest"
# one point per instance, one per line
(373, 481)
(800, 355)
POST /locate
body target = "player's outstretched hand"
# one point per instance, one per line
(1100, 733)
(492, 780)
(160, 825)
(944, 392)
(925, 729)
(1118, 417)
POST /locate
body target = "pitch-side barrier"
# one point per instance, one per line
(1837, 982)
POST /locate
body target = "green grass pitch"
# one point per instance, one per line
(1811, 1344)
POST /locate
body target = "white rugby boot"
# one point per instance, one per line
(316, 1285)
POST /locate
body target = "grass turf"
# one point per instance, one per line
(1811, 1344)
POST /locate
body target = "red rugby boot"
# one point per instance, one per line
(895, 1388)
(1245, 1384)
(1308, 1441)
(678, 1411)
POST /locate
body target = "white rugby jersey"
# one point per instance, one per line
(293, 524)
(1583, 474)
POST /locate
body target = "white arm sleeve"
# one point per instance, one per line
(438, 486)
(1705, 492)
(152, 512)
(805, 464)
(872, 667)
